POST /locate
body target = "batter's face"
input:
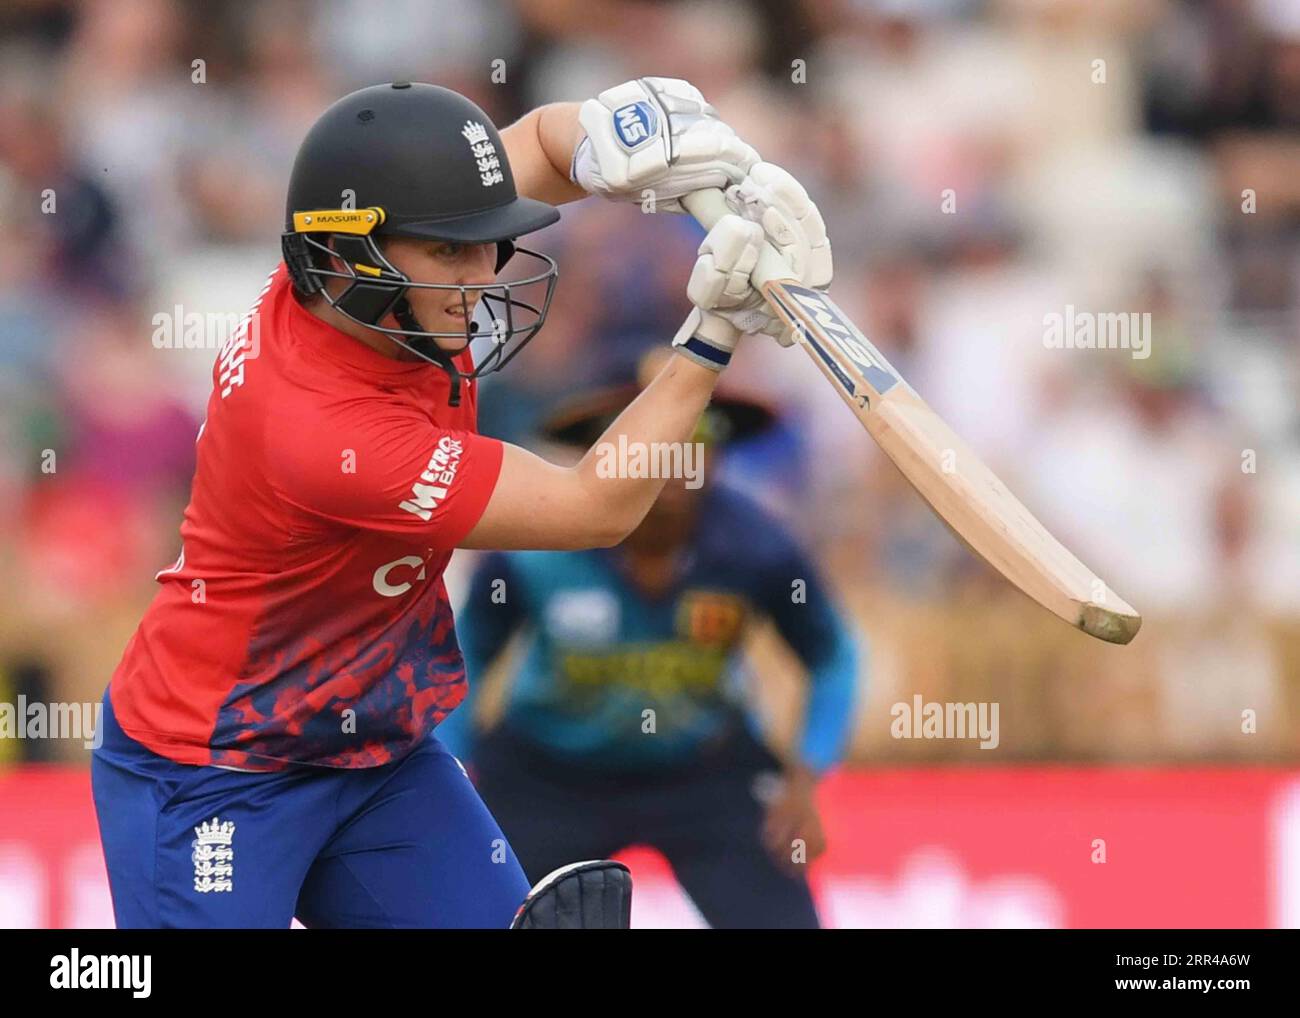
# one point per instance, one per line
(441, 261)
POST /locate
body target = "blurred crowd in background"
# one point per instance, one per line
(981, 164)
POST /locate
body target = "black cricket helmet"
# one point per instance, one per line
(413, 160)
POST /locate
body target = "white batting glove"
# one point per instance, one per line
(772, 206)
(791, 221)
(726, 304)
(657, 135)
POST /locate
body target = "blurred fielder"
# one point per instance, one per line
(268, 748)
(622, 724)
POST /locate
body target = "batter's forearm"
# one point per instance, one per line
(540, 148)
(666, 413)
(597, 503)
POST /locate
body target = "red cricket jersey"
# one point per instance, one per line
(306, 620)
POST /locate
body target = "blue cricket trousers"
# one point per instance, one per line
(408, 844)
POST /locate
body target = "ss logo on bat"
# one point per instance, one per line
(849, 340)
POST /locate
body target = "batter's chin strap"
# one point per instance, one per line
(595, 895)
(407, 320)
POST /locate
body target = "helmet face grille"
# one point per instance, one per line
(512, 312)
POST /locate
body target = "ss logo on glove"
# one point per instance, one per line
(635, 124)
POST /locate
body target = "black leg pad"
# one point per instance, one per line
(594, 895)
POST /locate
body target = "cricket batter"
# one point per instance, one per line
(621, 725)
(268, 745)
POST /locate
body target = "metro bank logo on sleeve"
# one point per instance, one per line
(428, 493)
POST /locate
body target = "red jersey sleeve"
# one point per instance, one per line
(386, 469)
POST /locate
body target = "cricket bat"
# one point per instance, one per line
(962, 491)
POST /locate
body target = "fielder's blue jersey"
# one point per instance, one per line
(616, 678)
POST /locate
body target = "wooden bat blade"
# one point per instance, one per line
(980, 509)
(962, 491)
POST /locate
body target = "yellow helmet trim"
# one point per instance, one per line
(356, 221)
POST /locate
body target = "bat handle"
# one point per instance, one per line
(710, 205)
